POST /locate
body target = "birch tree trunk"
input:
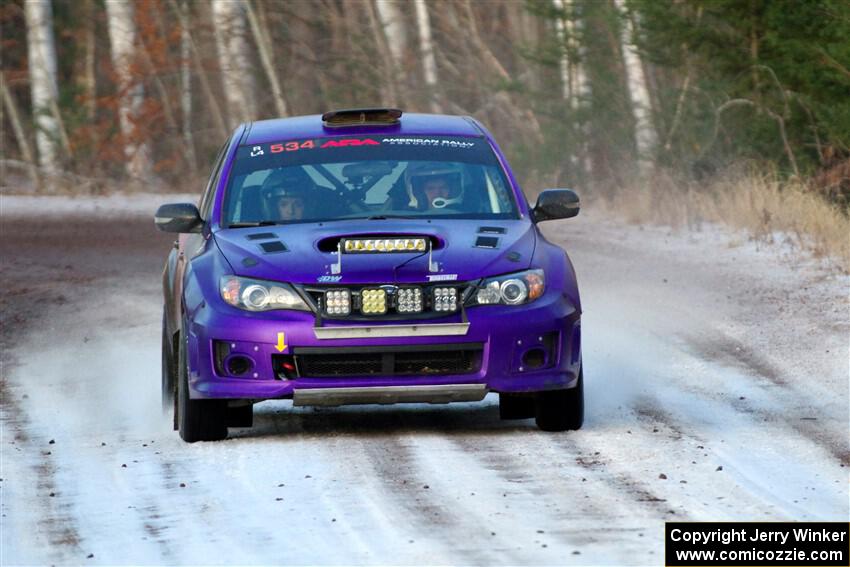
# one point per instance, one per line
(564, 63)
(122, 39)
(186, 89)
(392, 20)
(645, 135)
(580, 91)
(42, 69)
(234, 60)
(426, 51)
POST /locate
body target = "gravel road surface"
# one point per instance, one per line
(716, 377)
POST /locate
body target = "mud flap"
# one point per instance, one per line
(240, 416)
(516, 406)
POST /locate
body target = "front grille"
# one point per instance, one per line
(457, 362)
(427, 360)
(339, 364)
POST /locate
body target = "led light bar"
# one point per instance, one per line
(445, 299)
(409, 300)
(383, 245)
(373, 302)
(338, 302)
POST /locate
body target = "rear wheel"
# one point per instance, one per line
(198, 420)
(561, 410)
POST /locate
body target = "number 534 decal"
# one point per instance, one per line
(292, 146)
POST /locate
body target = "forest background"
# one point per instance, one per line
(678, 111)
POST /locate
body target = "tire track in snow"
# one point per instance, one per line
(585, 467)
(729, 351)
(56, 523)
(743, 478)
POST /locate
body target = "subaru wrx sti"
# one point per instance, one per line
(367, 257)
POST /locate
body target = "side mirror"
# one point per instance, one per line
(556, 204)
(178, 217)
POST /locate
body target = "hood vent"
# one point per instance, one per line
(487, 242)
(273, 247)
(491, 230)
(261, 236)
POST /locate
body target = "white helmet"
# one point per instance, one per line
(418, 174)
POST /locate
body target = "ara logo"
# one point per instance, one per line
(328, 279)
(350, 143)
(256, 151)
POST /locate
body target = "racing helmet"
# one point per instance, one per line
(418, 174)
(286, 182)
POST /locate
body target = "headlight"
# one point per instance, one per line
(510, 289)
(259, 295)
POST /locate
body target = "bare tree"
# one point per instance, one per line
(645, 135)
(234, 59)
(122, 39)
(390, 59)
(579, 85)
(264, 46)
(18, 130)
(44, 92)
(185, 26)
(564, 61)
(87, 63)
(426, 51)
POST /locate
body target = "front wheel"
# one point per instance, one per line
(561, 410)
(198, 420)
(169, 370)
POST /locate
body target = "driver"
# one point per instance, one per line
(433, 185)
(286, 193)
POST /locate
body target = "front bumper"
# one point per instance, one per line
(503, 335)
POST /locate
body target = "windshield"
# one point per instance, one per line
(327, 179)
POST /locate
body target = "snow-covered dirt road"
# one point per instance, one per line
(717, 389)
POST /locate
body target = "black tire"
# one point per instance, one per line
(198, 420)
(169, 370)
(516, 406)
(561, 410)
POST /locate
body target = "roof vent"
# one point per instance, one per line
(361, 117)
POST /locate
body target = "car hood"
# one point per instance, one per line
(304, 253)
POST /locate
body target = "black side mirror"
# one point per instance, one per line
(556, 204)
(178, 217)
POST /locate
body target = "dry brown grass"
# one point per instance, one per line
(762, 205)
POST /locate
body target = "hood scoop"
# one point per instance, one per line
(332, 243)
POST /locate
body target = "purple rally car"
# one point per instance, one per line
(361, 257)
